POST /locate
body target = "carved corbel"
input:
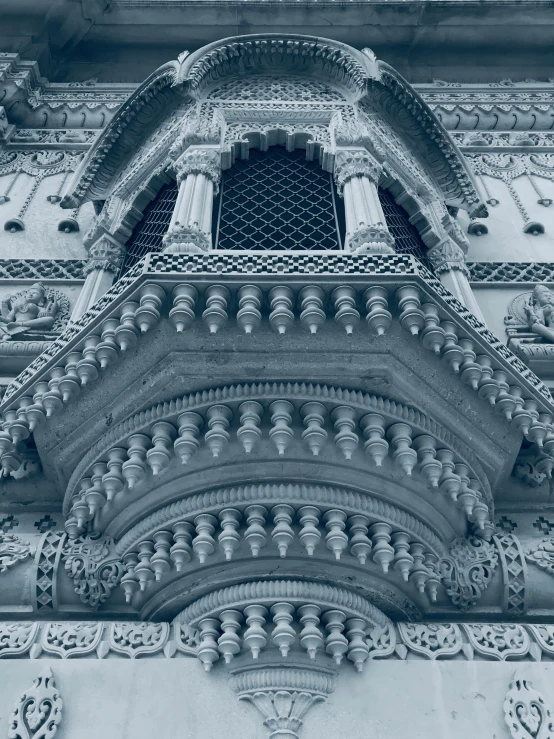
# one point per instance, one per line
(467, 571)
(94, 568)
(283, 696)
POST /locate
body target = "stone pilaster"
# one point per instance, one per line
(356, 176)
(105, 259)
(448, 261)
(198, 173)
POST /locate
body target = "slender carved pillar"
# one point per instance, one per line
(198, 173)
(448, 261)
(356, 176)
(105, 259)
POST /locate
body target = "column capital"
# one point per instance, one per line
(355, 163)
(106, 253)
(447, 256)
(200, 160)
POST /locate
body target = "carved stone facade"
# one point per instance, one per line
(313, 476)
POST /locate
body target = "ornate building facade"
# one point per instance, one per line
(277, 363)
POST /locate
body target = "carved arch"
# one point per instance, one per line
(357, 72)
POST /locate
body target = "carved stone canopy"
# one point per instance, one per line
(357, 74)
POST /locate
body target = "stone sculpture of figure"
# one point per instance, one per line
(540, 313)
(31, 311)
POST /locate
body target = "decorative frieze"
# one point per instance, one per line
(402, 641)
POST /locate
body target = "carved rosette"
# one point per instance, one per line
(541, 554)
(105, 254)
(38, 712)
(447, 256)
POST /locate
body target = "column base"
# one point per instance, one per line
(371, 240)
(186, 240)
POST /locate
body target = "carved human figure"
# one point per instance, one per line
(540, 313)
(31, 311)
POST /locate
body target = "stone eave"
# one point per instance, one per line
(165, 272)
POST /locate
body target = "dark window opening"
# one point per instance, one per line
(148, 234)
(277, 200)
(406, 236)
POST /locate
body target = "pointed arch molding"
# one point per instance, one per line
(359, 75)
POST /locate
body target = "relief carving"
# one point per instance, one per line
(38, 712)
(13, 550)
(94, 568)
(467, 572)
(33, 313)
(526, 712)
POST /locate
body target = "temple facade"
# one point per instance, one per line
(276, 370)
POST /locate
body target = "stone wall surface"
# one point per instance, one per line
(139, 699)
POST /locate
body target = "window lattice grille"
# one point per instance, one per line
(149, 231)
(277, 200)
(406, 236)
(276, 88)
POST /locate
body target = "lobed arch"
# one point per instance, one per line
(358, 73)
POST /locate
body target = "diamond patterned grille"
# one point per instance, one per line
(149, 231)
(277, 200)
(406, 236)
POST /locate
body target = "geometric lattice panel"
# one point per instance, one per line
(148, 233)
(406, 236)
(277, 200)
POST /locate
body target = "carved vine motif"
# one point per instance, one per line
(94, 568)
(38, 712)
(467, 572)
(542, 554)
(13, 550)
(526, 712)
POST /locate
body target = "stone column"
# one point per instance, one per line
(104, 263)
(198, 174)
(448, 261)
(356, 176)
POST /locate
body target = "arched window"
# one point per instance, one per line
(406, 236)
(277, 200)
(274, 200)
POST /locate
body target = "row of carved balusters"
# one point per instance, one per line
(477, 371)
(303, 625)
(341, 534)
(127, 467)
(118, 334)
(309, 306)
